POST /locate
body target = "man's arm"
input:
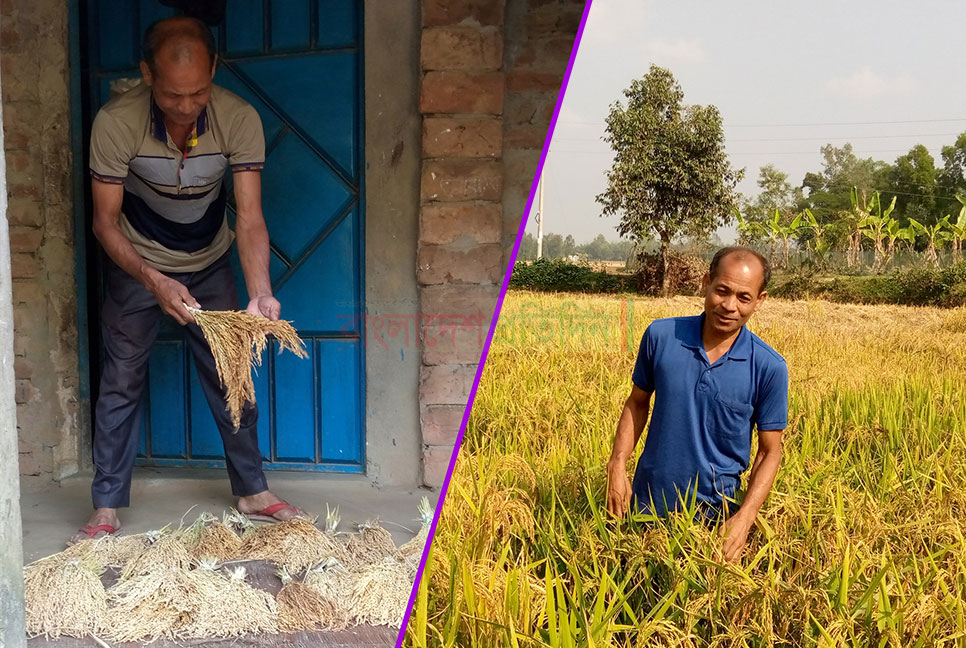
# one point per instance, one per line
(253, 245)
(171, 294)
(760, 481)
(629, 429)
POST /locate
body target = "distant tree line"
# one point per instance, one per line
(556, 246)
(856, 205)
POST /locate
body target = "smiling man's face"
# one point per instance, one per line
(734, 294)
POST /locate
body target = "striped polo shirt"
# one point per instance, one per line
(173, 210)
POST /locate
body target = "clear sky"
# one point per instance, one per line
(787, 78)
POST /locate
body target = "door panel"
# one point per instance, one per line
(299, 63)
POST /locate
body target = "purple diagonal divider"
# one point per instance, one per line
(493, 323)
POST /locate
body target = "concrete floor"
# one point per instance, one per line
(163, 496)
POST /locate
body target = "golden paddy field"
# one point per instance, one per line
(861, 542)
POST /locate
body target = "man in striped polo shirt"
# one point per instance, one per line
(159, 153)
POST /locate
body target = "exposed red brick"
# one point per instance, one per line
(436, 464)
(23, 266)
(457, 180)
(441, 424)
(25, 239)
(442, 264)
(450, 12)
(525, 137)
(442, 223)
(446, 384)
(455, 47)
(539, 81)
(459, 319)
(23, 368)
(474, 137)
(455, 92)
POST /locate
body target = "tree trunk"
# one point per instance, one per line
(665, 275)
(785, 252)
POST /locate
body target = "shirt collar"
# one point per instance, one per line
(740, 349)
(157, 122)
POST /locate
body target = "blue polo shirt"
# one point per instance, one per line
(702, 414)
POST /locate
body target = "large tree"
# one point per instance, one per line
(670, 175)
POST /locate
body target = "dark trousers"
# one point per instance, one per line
(130, 320)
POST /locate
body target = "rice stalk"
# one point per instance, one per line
(64, 597)
(301, 607)
(237, 340)
(380, 594)
(294, 544)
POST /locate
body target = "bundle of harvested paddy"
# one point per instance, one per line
(209, 537)
(164, 549)
(413, 550)
(294, 544)
(237, 340)
(153, 604)
(227, 606)
(333, 582)
(370, 545)
(301, 607)
(64, 596)
(380, 594)
(111, 550)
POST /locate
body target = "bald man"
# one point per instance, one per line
(712, 381)
(159, 154)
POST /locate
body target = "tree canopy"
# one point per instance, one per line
(670, 176)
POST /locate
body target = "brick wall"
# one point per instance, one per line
(34, 66)
(491, 73)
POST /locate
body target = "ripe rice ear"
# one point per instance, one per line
(166, 549)
(64, 596)
(228, 606)
(152, 605)
(237, 340)
(294, 544)
(333, 583)
(370, 545)
(380, 594)
(301, 607)
(208, 537)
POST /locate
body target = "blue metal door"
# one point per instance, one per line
(299, 63)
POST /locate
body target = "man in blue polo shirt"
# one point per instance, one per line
(712, 380)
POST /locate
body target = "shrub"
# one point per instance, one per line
(558, 275)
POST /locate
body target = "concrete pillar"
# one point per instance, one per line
(13, 631)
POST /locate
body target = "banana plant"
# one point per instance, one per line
(750, 231)
(874, 224)
(935, 235)
(782, 232)
(958, 230)
(817, 244)
(859, 211)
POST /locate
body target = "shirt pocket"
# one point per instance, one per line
(729, 418)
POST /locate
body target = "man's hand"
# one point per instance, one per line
(266, 306)
(735, 533)
(618, 489)
(172, 295)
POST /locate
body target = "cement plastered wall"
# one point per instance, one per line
(36, 122)
(392, 220)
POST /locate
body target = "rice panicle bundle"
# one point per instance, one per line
(227, 605)
(369, 546)
(412, 551)
(333, 582)
(209, 537)
(301, 607)
(64, 596)
(380, 594)
(293, 544)
(237, 340)
(153, 604)
(165, 549)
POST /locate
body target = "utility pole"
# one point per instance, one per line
(540, 217)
